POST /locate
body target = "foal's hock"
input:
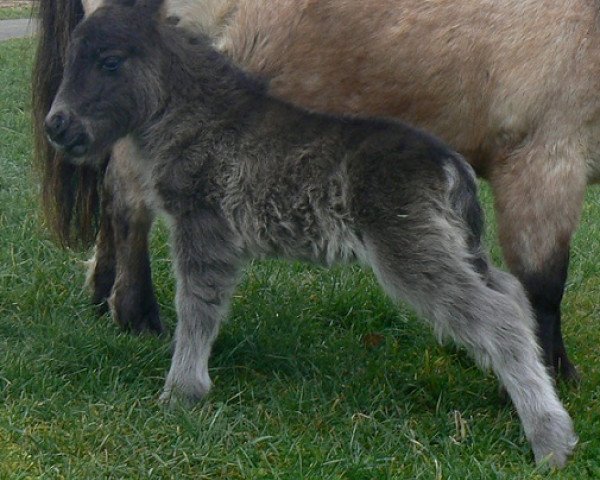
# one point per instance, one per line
(241, 175)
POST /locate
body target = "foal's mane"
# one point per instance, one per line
(193, 55)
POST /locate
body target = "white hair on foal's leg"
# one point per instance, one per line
(90, 269)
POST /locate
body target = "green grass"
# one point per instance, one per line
(298, 392)
(9, 13)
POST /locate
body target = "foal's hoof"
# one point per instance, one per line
(99, 279)
(173, 397)
(553, 440)
(149, 323)
(172, 400)
(131, 314)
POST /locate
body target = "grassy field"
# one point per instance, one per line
(317, 375)
(7, 13)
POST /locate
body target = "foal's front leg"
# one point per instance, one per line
(206, 268)
(102, 266)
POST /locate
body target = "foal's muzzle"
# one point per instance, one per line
(67, 133)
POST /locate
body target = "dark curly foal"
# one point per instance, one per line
(241, 175)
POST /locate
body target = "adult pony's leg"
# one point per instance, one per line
(121, 266)
(538, 193)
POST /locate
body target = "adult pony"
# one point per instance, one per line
(241, 174)
(511, 84)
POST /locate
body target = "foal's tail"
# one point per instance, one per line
(464, 201)
(70, 196)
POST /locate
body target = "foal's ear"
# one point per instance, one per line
(148, 8)
(151, 8)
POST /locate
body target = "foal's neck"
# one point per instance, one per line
(204, 95)
(199, 77)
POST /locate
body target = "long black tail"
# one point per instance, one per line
(70, 197)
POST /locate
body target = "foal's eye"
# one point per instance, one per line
(111, 64)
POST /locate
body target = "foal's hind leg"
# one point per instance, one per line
(486, 312)
(538, 204)
(121, 267)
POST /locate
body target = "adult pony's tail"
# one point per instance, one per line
(70, 197)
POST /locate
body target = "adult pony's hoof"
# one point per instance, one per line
(567, 371)
(561, 368)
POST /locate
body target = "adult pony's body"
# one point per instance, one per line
(511, 84)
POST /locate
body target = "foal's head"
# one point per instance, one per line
(111, 82)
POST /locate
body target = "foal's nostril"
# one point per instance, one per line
(67, 133)
(56, 124)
